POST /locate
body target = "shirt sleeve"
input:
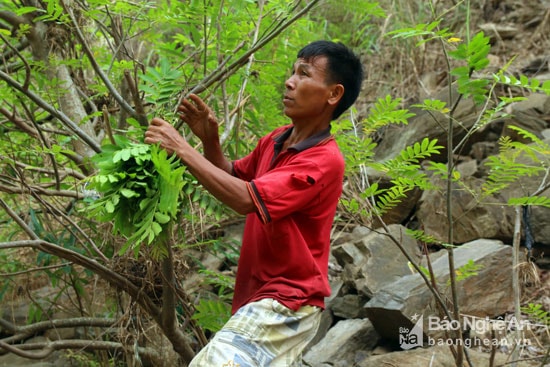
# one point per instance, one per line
(294, 187)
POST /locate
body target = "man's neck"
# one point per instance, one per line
(302, 132)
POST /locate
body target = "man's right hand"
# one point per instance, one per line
(200, 119)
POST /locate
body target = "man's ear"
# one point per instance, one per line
(336, 94)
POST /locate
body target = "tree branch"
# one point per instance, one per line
(168, 317)
(54, 112)
(222, 72)
(87, 345)
(98, 69)
(23, 332)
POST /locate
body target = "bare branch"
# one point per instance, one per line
(87, 345)
(222, 72)
(98, 69)
(168, 317)
(40, 190)
(23, 332)
(104, 272)
(175, 335)
(54, 112)
(19, 122)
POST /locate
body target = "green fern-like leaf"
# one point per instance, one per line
(531, 201)
(536, 312)
(422, 236)
(391, 198)
(475, 54)
(141, 192)
(162, 84)
(425, 32)
(505, 168)
(386, 111)
(409, 158)
(212, 314)
(467, 270)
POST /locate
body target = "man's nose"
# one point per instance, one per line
(289, 83)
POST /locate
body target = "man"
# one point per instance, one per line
(288, 187)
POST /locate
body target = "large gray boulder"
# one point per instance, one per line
(486, 294)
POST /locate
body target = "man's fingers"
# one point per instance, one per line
(199, 103)
(157, 121)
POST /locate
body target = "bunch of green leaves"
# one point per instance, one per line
(467, 270)
(515, 160)
(162, 84)
(141, 192)
(212, 313)
(474, 53)
(535, 311)
(405, 174)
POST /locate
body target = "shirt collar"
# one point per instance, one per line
(304, 144)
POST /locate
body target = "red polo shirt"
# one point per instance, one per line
(286, 243)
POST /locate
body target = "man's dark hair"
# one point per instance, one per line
(344, 67)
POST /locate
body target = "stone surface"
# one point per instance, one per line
(342, 343)
(437, 356)
(486, 294)
(375, 260)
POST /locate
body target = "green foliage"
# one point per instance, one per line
(162, 86)
(523, 81)
(409, 158)
(474, 53)
(422, 236)
(352, 22)
(357, 147)
(404, 170)
(221, 282)
(426, 32)
(386, 111)
(433, 105)
(536, 311)
(423, 269)
(530, 200)
(35, 314)
(53, 13)
(212, 314)
(467, 270)
(141, 191)
(405, 173)
(82, 359)
(507, 167)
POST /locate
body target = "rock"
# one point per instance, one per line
(467, 168)
(374, 260)
(342, 343)
(499, 31)
(426, 124)
(437, 356)
(486, 294)
(471, 218)
(488, 217)
(349, 306)
(536, 103)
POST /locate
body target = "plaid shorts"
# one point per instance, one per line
(260, 334)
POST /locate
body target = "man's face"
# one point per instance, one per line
(307, 92)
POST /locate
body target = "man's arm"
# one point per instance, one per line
(217, 179)
(202, 122)
(230, 190)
